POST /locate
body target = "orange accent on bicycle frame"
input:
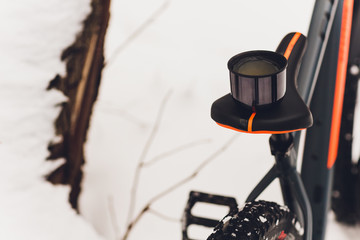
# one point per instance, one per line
(250, 122)
(345, 33)
(258, 132)
(291, 45)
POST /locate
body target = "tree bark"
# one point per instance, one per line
(84, 63)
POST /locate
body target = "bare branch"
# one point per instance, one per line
(163, 216)
(178, 184)
(125, 115)
(143, 156)
(217, 153)
(175, 151)
(133, 223)
(196, 172)
(138, 31)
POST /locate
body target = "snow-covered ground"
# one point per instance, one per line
(179, 56)
(33, 34)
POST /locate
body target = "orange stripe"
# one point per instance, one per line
(340, 81)
(291, 45)
(258, 132)
(250, 122)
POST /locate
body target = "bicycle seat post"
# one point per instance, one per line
(281, 143)
(294, 194)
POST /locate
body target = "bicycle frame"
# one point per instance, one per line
(309, 195)
(321, 84)
(321, 142)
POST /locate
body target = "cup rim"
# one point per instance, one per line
(274, 57)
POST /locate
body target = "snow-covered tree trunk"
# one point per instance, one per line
(84, 63)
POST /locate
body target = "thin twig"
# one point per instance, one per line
(133, 223)
(175, 151)
(178, 184)
(138, 31)
(125, 115)
(144, 152)
(196, 172)
(113, 218)
(163, 216)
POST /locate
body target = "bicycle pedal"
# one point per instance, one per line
(200, 197)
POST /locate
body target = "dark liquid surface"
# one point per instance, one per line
(256, 68)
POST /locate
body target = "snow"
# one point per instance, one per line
(181, 54)
(34, 34)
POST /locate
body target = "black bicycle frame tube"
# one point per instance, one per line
(317, 40)
(316, 175)
(344, 201)
(293, 190)
(319, 32)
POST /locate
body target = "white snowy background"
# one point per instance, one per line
(179, 55)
